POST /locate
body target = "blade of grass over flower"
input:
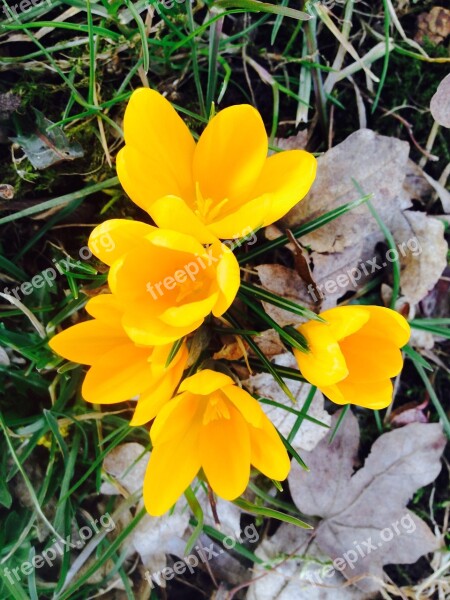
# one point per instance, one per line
(87, 191)
(300, 413)
(174, 351)
(303, 229)
(391, 244)
(270, 513)
(293, 452)
(433, 397)
(198, 514)
(344, 411)
(256, 6)
(285, 335)
(268, 365)
(258, 292)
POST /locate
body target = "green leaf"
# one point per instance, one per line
(262, 294)
(255, 6)
(270, 513)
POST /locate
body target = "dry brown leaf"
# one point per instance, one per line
(379, 165)
(365, 522)
(434, 25)
(440, 102)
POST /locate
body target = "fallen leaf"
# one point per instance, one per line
(435, 25)
(440, 102)
(298, 570)
(9, 103)
(379, 165)
(264, 385)
(48, 145)
(412, 412)
(365, 512)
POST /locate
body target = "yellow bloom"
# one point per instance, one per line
(166, 281)
(215, 425)
(120, 369)
(223, 186)
(353, 356)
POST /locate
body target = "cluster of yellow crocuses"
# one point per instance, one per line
(166, 279)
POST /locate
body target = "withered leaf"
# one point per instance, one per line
(364, 516)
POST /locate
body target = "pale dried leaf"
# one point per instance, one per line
(373, 500)
(379, 165)
(299, 570)
(440, 102)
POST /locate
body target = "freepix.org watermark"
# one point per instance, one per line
(191, 269)
(204, 554)
(362, 548)
(56, 550)
(15, 10)
(368, 267)
(62, 266)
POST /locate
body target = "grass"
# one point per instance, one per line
(78, 62)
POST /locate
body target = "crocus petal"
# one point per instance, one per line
(154, 398)
(244, 217)
(186, 314)
(234, 143)
(175, 418)
(249, 408)
(228, 279)
(172, 212)
(85, 342)
(376, 395)
(387, 323)
(175, 240)
(205, 382)
(106, 309)
(268, 453)
(224, 446)
(145, 329)
(342, 321)
(154, 130)
(171, 468)
(287, 177)
(324, 364)
(111, 239)
(118, 375)
(371, 358)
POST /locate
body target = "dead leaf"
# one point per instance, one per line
(299, 570)
(412, 412)
(9, 103)
(379, 165)
(48, 145)
(440, 102)
(365, 522)
(264, 385)
(434, 25)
